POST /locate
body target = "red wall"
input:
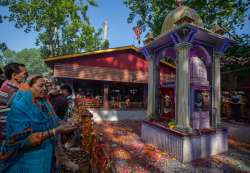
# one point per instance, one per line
(120, 60)
(130, 60)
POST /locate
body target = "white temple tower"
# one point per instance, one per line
(105, 29)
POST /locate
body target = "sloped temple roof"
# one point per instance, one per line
(52, 60)
(124, 64)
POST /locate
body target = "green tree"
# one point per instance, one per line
(230, 14)
(63, 25)
(30, 57)
(3, 48)
(237, 59)
(105, 44)
(3, 3)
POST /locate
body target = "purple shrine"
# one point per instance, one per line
(197, 52)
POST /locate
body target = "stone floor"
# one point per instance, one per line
(130, 154)
(237, 130)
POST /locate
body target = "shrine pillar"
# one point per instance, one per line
(216, 90)
(182, 106)
(153, 88)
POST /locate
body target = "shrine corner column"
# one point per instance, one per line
(216, 90)
(153, 88)
(182, 113)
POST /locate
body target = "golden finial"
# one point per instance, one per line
(216, 28)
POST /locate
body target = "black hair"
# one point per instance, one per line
(11, 68)
(67, 88)
(22, 65)
(33, 80)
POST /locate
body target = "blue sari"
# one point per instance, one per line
(39, 117)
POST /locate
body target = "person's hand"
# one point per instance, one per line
(65, 128)
(35, 139)
(74, 121)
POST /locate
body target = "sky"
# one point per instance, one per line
(114, 11)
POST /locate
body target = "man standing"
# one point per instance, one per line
(74, 137)
(67, 104)
(16, 74)
(59, 102)
(68, 93)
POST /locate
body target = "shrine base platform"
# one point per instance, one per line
(185, 147)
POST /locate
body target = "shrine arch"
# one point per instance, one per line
(167, 52)
(201, 52)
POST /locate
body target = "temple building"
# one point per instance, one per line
(113, 82)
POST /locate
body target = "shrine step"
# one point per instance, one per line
(185, 147)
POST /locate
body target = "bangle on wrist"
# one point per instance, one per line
(54, 132)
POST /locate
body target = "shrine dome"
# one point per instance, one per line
(180, 15)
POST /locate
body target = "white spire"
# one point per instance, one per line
(105, 29)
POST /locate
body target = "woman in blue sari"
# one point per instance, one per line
(31, 111)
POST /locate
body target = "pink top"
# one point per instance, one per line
(7, 86)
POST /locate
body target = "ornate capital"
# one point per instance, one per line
(183, 45)
(218, 54)
(184, 34)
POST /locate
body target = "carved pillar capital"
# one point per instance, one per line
(184, 34)
(183, 45)
(219, 55)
